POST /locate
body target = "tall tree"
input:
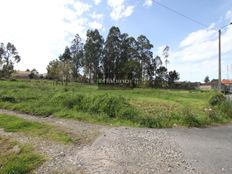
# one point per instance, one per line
(145, 55)
(8, 57)
(66, 65)
(133, 68)
(158, 61)
(66, 56)
(172, 77)
(93, 54)
(122, 63)
(207, 80)
(112, 53)
(77, 54)
(161, 76)
(53, 70)
(166, 55)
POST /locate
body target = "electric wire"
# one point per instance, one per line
(180, 14)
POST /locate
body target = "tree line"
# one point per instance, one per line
(120, 56)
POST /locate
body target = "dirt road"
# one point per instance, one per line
(209, 150)
(120, 150)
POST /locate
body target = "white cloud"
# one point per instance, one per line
(148, 3)
(96, 2)
(81, 7)
(128, 11)
(200, 36)
(197, 55)
(96, 25)
(97, 16)
(229, 15)
(119, 9)
(38, 28)
(203, 45)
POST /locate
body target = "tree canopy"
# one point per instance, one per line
(8, 57)
(120, 56)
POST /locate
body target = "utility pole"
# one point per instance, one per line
(219, 61)
(219, 58)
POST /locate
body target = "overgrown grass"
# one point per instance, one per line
(133, 107)
(15, 124)
(17, 159)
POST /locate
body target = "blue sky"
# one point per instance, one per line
(42, 29)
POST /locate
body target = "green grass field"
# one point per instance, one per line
(15, 124)
(153, 108)
(16, 158)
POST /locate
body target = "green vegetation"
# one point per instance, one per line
(117, 57)
(217, 99)
(135, 107)
(14, 124)
(17, 159)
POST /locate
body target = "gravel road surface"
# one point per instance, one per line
(121, 150)
(209, 150)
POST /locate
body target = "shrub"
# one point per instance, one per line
(105, 104)
(111, 105)
(151, 122)
(74, 101)
(10, 99)
(128, 114)
(226, 107)
(217, 99)
(190, 119)
(66, 89)
(213, 114)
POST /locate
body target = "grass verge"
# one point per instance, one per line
(15, 124)
(17, 159)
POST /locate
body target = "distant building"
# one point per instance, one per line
(227, 82)
(210, 85)
(21, 74)
(205, 86)
(228, 85)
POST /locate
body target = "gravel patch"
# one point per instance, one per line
(116, 151)
(131, 151)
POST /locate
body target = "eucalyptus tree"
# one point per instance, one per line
(112, 54)
(133, 68)
(93, 54)
(8, 57)
(166, 55)
(66, 66)
(77, 54)
(145, 55)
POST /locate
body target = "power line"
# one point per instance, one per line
(180, 14)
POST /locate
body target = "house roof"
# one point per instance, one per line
(226, 82)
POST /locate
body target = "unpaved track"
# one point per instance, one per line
(208, 150)
(107, 150)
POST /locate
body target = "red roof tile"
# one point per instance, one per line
(226, 81)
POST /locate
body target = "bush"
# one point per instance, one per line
(74, 101)
(128, 114)
(151, 122)
(213, 114)
(111, 105)
(190, 119)
(5, 98)
(101, 104)
(217, 99)
(226, 107)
